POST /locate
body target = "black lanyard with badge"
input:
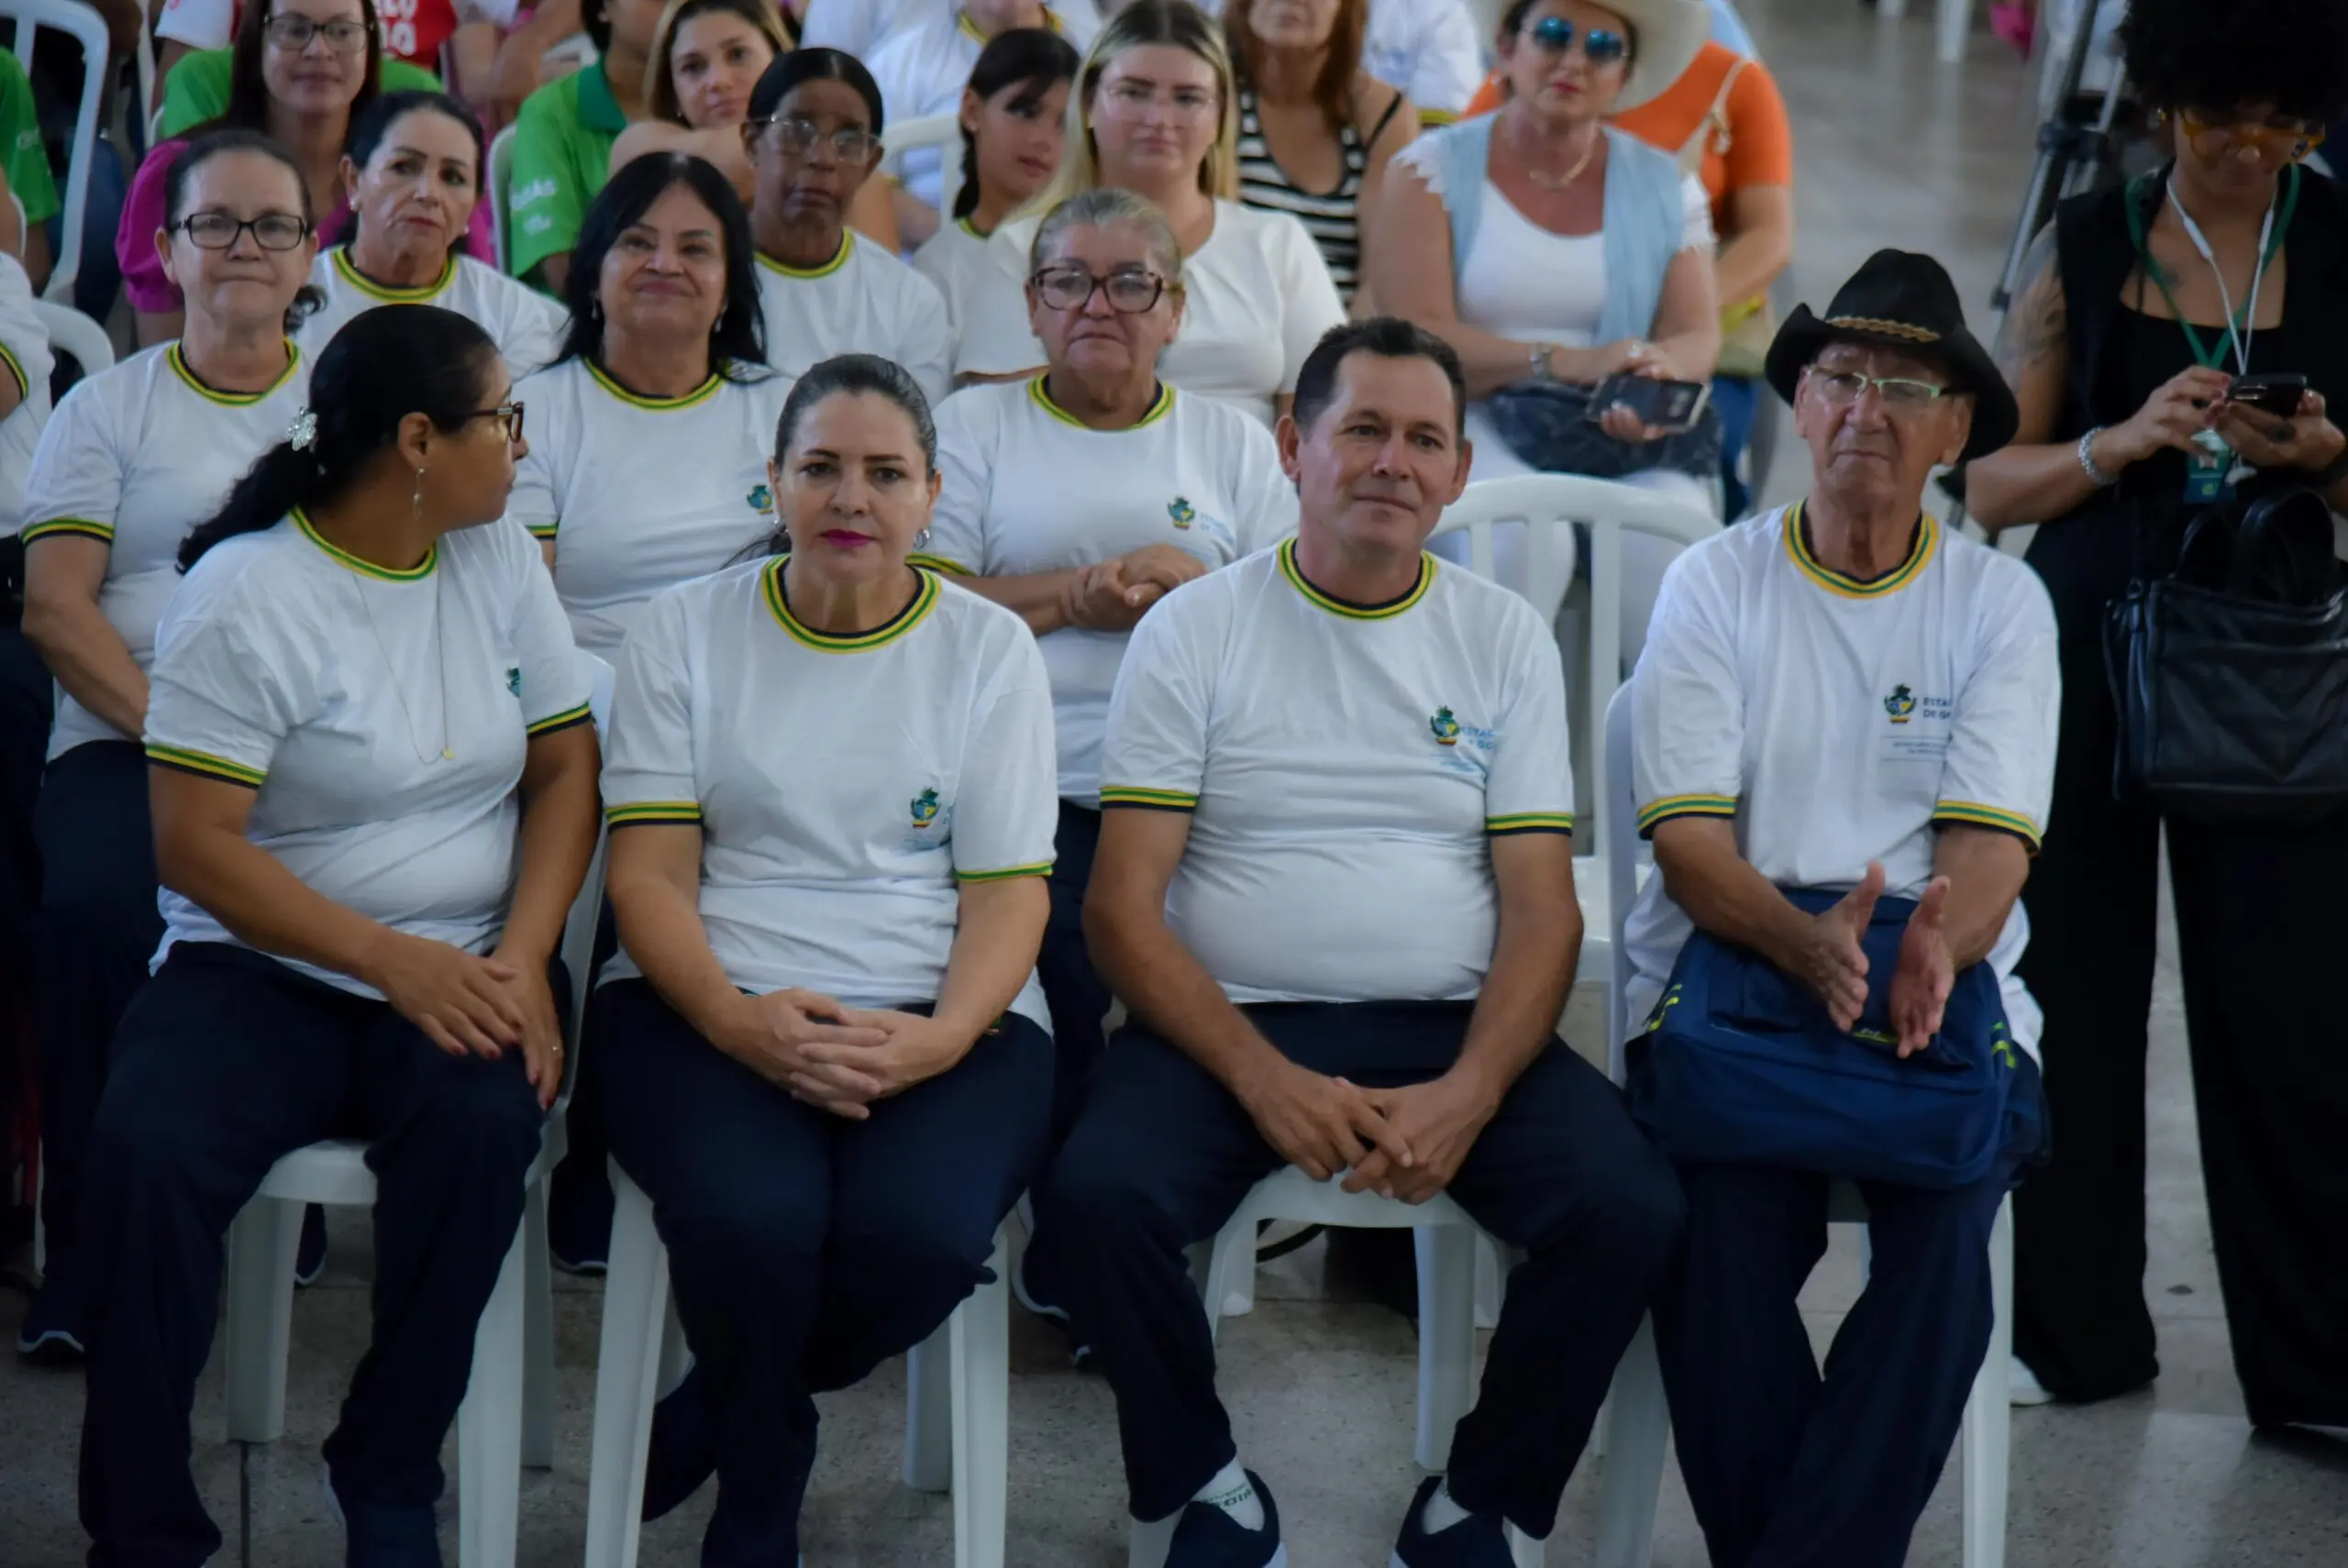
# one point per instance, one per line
(2211, 469)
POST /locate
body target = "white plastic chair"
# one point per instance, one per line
(941, 132)
(86, 26)
(1640, 1420)
(70, 332)
(1447, 1240)
(500, 195)
(507, 1418)
(958, 1397)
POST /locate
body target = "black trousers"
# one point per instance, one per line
(806, 1249)
(97, 928)
(1787, 1469)
(227, 1061)
(2261, 928)
(1162, 1155)
(1078, 996)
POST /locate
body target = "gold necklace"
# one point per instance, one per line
(440, 647)
(1549, 181)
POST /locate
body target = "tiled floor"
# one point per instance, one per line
(1894, 149)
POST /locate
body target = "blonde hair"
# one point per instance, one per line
(660, 79)
(1100, 207)
(1179, 24)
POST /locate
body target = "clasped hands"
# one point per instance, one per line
(1404, 1144)
(1830, 960)
(1115, 594)
(836, 1057)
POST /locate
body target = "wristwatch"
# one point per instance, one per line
(1539, 354)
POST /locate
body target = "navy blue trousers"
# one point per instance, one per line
(97, 928)
(1073, 989)
(1162, 1155)
(227, 1061)
(1787, 1469)
(805, 1249)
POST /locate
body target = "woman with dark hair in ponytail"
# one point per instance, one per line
(132, 458)
(822, 1052)
(374, 798)
(1013, 117)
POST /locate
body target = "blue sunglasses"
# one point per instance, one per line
(1555, 35)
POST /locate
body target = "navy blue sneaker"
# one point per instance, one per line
(383, 1535)
(50, 1334)
(310, 1257)
(683, 1451)
(1480, 1541)
(1207, 1537)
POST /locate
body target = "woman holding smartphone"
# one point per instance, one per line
(2174, 345)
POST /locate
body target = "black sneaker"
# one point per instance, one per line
(1480, 1541)
(310, 1257)
(1207, 1537)
(383, 1535)
(578, 1220)
(50, 1334)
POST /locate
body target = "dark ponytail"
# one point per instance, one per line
(1036, 59)
(387, 363)
(848, 375)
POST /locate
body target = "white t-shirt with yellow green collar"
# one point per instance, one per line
(526, 325)
(638, 493)
(846, 787)
(863, 301)
(1344, 767)
(1026, 488)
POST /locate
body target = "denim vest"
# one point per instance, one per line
(1642, 226)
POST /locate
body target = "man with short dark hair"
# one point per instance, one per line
(1334, 888)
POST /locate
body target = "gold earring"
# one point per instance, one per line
(415, 502)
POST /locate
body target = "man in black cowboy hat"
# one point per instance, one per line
(1844, 698)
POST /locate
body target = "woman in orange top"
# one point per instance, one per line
(1726, 123)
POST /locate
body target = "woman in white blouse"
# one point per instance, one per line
(1156, 113)
(413, 173)
(823, 1047)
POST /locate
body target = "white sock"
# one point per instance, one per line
(1236, 1495)
(1441, 1512)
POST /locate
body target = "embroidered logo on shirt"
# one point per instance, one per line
(1445, 727)
(2001, 1044)
(761, 500)
(924, 808)
(1181, 512)
(514, 679)
(1901, 704)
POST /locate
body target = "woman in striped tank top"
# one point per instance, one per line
(1315, 128)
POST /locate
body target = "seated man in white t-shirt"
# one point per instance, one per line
(1334, 888)
(1845, 695)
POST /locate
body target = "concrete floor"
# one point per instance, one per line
(1894, 149)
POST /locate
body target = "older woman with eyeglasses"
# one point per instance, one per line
(1081, 498)
(2141, 308)
(134, 457)
(815, 138)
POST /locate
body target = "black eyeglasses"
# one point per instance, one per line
(508, 415)
(294, 33)
(218, 231)
(1555, 35)
(797, 137)
(1071, 288)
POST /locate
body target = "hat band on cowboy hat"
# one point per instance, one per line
(1667, 36)
(1903, 300)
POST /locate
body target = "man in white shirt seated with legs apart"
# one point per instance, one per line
(1842, 697)
(1334, 888)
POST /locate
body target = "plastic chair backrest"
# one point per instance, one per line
(84, 26)
(71, 333)
(1621, 876)
(500, 194)
(943, 132)
(1547, 504)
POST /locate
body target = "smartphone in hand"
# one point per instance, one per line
(2277, 393)
(1672, 407)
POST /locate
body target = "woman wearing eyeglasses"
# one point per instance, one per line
(133, 457)
(1552, 252)
(2141, 307)
(374, 784)
(414, 172)
(303, 71)
(814, 140)
(1080, 498)
(1154, 112)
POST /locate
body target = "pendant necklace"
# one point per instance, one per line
(440, 647)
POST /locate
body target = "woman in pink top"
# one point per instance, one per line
(303, 70)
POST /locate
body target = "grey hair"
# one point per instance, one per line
(1098, 208)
